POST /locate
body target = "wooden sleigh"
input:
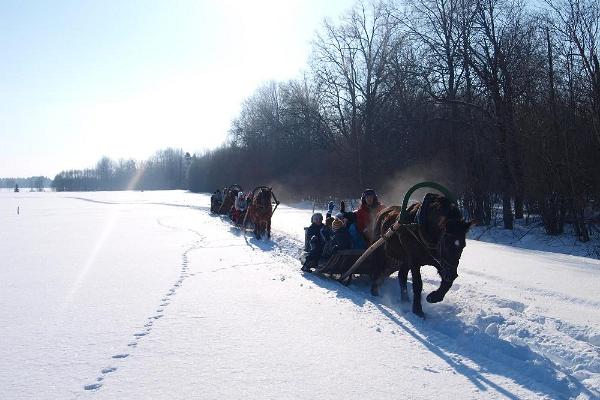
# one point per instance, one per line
(340, 262)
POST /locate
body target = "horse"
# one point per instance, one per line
(229, 196)
(430, 233)
(260, 210)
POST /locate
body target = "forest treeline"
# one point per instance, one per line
(33, 183)
(498, 99)
(166, 169)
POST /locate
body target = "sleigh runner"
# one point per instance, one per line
(341, 262)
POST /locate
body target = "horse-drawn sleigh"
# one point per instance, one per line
(253, 210)
(221, 203)
(431, 232)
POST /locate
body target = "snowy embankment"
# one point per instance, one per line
(532, 236)
(146, 295)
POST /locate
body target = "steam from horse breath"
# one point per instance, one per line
(394, 189)
(391, 191)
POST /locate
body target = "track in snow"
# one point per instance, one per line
(160, 309)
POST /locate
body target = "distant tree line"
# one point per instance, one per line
(36, 183)
(167, 169)
(501, 100)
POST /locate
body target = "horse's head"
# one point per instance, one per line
(446, 231)
(231, 195)
(262, 197)
(452, 243)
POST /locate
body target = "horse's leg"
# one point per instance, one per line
(269, 228)
(438, 295)
(417, 289)
(377, 276)
(376, 281)
(256, 229)
(402, 280)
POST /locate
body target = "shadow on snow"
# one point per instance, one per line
(459, 344)
(463, 347)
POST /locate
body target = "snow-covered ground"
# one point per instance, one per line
(146, 295)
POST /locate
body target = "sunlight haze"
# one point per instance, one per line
(83, 79)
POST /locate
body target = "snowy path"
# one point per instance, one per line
(146, 295)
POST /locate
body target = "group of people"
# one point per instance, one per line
(239, 207)
(345, 230)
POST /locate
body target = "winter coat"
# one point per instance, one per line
(316, 249)
(326, 233)
(340, 240)
(365, 215)
(312, 230)
(358, 241)
(240, 204)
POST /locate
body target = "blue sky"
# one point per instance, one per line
(82, 79)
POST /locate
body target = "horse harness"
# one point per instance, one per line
(431, 248)
(265, 206)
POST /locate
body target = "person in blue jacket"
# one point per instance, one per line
(349, 218)
(358, 242)
(340, 238)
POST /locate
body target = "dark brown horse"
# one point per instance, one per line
(434, 234)
(260, 210)
(229, 196)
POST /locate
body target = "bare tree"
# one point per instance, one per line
(350, 65)
(501, 56)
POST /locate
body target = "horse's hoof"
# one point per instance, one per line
(375, 291)
(404, 299)
(434, 297)
(346, 281)
(419, 313)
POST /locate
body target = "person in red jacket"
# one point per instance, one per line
(366, 214)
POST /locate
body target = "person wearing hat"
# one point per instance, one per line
(240, 202)
(313, 241)
(215, 201)
(219, 196)
(340, 238)
(366, 214)
(349, 218)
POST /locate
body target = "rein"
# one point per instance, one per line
(439, 246)
(261, 206)
(397, 225)
(431, 248)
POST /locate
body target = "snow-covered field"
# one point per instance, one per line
(118, 295)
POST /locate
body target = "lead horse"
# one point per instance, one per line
(432, 232)
(260, 210)
(429, 233)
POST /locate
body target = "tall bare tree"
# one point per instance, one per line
(350, 63)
